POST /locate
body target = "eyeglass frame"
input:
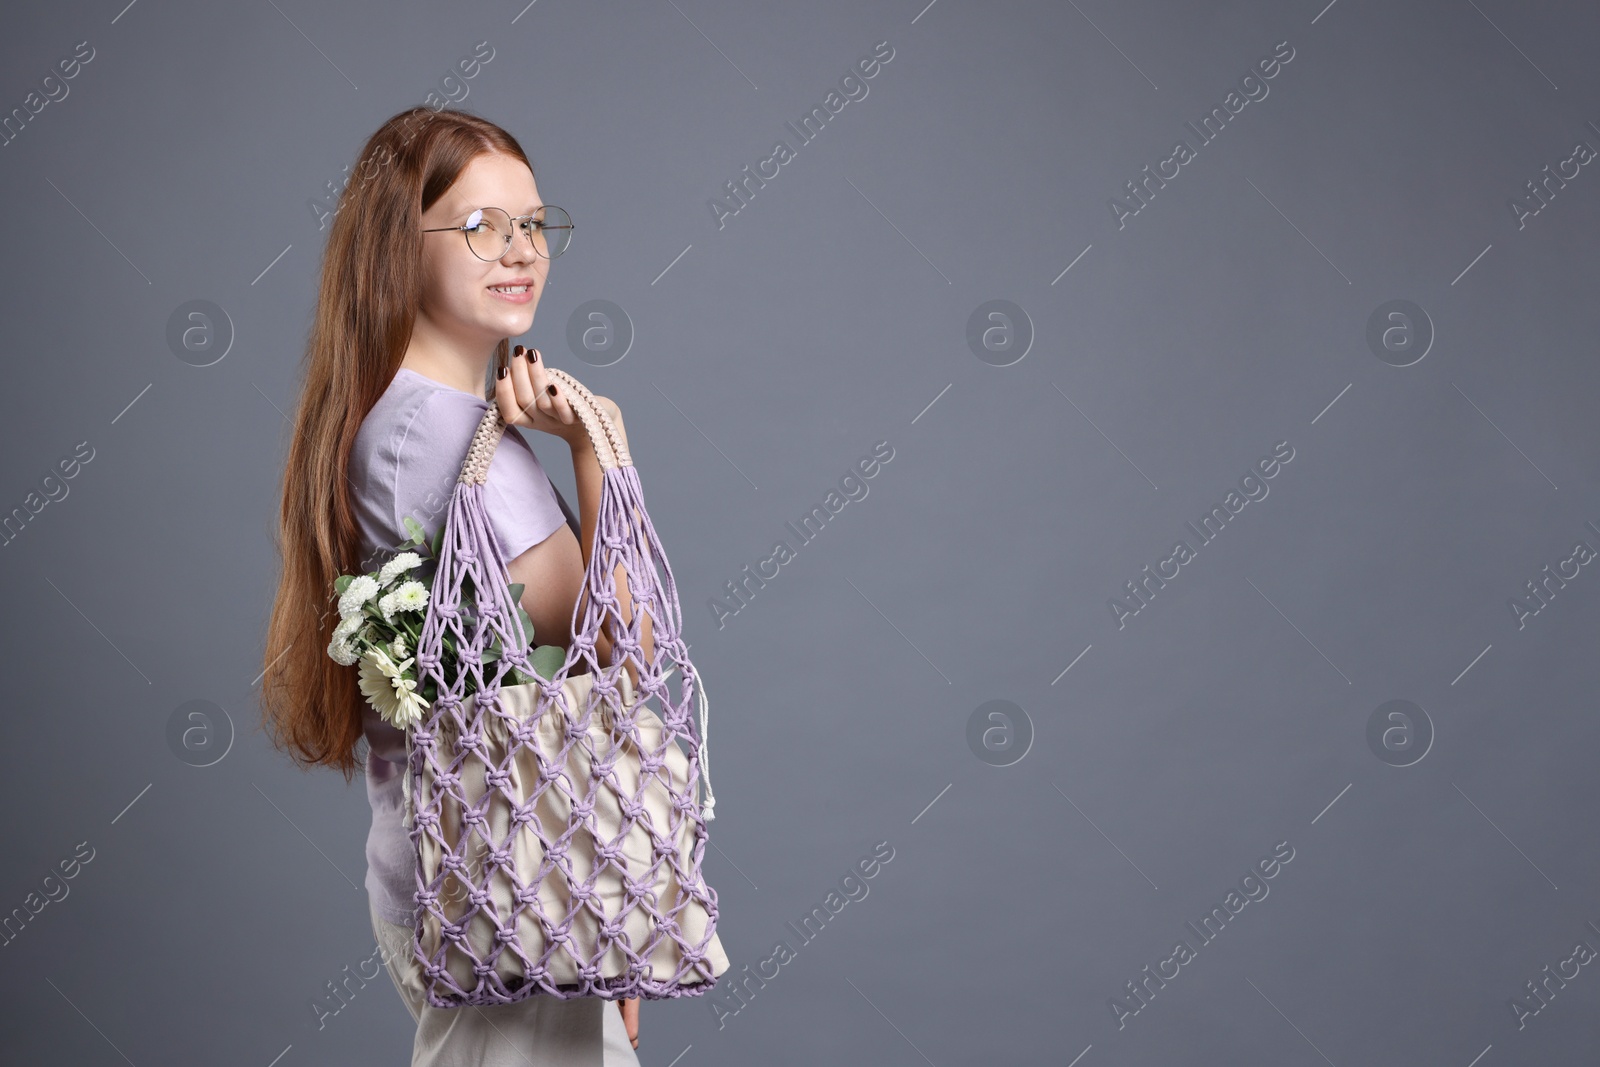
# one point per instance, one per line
(510, 238)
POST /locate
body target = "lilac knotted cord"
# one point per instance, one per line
(470, 556)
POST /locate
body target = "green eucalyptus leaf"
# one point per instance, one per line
(341, 583)
(547, 659)
(438, 539)
(516, 592)
(414, 528)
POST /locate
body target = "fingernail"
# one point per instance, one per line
(552, 390)
(535, 356)
(501, 373)
(518, 350)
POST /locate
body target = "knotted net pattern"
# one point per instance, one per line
(455, 746)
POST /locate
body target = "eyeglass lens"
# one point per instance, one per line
(549, 231)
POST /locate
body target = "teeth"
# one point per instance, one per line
(509, 288)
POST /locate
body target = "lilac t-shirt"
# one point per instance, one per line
(405, 461)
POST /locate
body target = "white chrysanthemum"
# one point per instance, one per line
(357, 593)
(409, 707)
(397, 647)
(342, 646)
(412, 596)
(386, 604)
(388, 690)
(399, 565)
(342, 651)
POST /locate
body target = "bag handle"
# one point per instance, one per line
(608, 444)
(611, 450)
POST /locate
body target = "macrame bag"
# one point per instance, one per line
(557, 837)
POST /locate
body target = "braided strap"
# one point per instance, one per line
(480, 450)
(558, 840)
(590, 410)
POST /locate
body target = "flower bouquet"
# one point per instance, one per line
(380, 622)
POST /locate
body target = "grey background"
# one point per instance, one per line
(830, 314)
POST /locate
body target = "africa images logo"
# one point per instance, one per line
(852, 487)
(740, 191)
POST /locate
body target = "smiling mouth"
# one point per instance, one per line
(510, 288)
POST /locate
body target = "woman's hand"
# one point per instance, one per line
(528, 396)
(630, 1018)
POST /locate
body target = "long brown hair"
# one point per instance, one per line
(366, 308)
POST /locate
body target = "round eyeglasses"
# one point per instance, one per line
(489, 231)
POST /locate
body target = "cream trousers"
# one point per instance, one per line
(540, 1031)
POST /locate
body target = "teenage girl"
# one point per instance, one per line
(437, 256)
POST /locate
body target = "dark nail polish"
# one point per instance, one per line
(535, 356)
(552, 390)
(517, 350)
(501, 373)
